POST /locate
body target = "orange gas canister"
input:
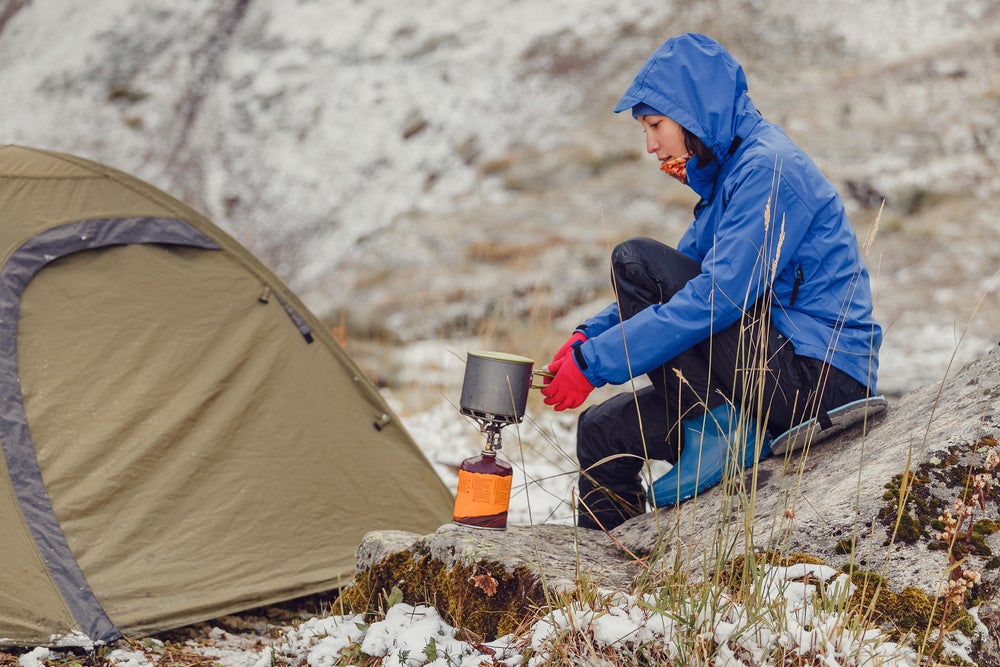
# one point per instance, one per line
(483, 491)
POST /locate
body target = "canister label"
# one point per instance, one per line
(481, 495)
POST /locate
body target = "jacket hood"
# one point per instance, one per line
(693, 79)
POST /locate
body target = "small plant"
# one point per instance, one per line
(958, 529)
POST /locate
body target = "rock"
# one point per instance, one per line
(838, 502)
(819, 500)
(378, 545)
(989, 651)
(485, 581)
(560, 554)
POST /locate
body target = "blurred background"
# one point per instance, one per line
(437, 176)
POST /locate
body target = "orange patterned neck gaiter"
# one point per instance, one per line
(676, 167)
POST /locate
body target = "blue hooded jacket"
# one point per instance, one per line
(769, 224)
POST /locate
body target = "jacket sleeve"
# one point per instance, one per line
(688, 246)
(761, 224)
(602, 321)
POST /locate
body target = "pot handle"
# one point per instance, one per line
(543, 373)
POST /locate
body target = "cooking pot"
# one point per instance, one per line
(496, 386)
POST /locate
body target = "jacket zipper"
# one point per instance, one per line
(799, 279)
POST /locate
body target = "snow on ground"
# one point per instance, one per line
(794, 617)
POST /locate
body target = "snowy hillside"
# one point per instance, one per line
(411, 168)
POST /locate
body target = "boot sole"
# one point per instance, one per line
(840, 419)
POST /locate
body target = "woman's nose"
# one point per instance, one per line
(651, 144)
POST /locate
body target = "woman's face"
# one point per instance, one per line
(664, 137)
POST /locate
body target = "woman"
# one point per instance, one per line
(760, 319)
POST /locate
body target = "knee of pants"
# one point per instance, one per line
(649, 263)
(636, 246)
(612, 427)
(590, 446)
(605, 429)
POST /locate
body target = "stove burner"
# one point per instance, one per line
(490, 425)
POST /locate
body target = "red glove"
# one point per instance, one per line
(569, 388)
(577, 337)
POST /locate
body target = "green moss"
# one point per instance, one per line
(909, 612)
(912, 609)
(985, 527)
(867, 587)
(968, 544)
(977, 544)
(799, 558)
(482, 599)
(929, 490)
(911, 527)
(518, 595)
(738, 574)
(410, 575)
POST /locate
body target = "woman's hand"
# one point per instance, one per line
(568, 387)
(564, 349)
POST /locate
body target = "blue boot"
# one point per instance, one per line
(710, 442)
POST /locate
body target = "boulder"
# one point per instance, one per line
(869, 499)
(845, 491)
(484, 581)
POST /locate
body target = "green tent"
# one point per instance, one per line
(181, 437)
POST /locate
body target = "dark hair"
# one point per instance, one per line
(696, 147)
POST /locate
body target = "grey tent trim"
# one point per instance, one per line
(300, 323)
(18, 448)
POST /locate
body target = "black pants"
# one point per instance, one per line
(749, 363)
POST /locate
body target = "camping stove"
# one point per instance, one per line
(489, 426)
(494, 393)
(484, 481)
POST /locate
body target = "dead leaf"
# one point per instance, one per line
(486, 583)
